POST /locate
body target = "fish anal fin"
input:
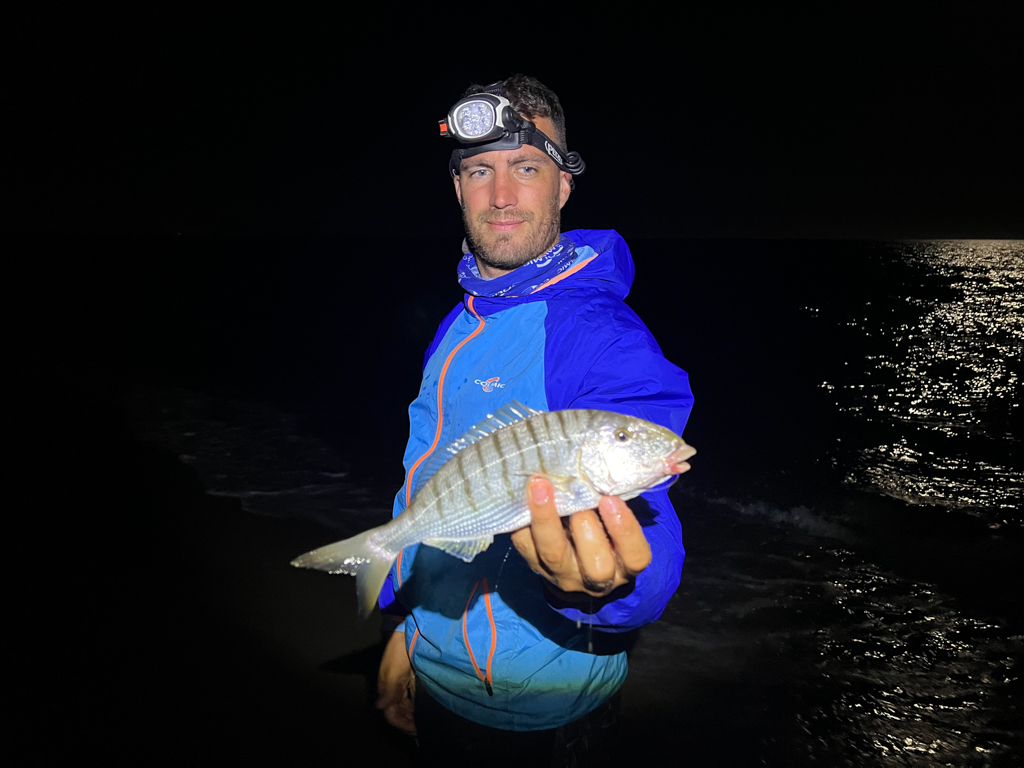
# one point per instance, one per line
(464, 549)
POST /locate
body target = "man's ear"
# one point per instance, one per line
(564, 190)
(458, 188)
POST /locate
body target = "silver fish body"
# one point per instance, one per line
(480, 491)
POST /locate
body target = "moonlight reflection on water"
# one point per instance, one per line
(941, 391)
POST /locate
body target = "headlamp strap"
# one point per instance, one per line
(518, 131)
(495, 89)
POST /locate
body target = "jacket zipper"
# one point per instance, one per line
(440, 417)
(485, 677)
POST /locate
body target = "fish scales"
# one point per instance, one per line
(552, 455)
(536, 430)
(475, 469)
(561, 428)
(481, 491)
(493, 470)
(511, 460)
(460, 501)
(469, 484)
(454, 510)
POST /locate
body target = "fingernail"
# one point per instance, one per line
(540, 491)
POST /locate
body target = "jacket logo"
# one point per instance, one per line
(490, 385)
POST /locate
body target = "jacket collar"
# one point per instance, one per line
(522, 281)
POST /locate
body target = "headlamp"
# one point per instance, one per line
(487, 122)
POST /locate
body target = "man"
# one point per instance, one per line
(521, 654)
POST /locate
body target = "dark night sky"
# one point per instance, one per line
(855, 120)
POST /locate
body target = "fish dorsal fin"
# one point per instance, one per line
(510, 413)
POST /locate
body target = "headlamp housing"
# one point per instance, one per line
(487, 122)
(481, 117)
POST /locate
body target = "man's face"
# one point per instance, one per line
(511, 204)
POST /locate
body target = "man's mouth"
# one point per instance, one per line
(503, 226)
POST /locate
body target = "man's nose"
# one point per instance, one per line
(503, 192)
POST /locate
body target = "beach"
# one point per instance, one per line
(851, 521)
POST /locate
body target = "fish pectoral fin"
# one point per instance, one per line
(464, 549)
(561, 482)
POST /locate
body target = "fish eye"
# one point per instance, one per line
(622, 435)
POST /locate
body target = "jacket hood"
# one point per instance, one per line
(600, 263)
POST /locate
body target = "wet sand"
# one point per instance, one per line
(186, 638)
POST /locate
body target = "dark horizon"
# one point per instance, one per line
(893, 123)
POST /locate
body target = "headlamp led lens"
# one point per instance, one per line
(475, 118)
(486, 122)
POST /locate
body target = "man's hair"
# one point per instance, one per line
(531, 98)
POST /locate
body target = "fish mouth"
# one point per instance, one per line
(676, 462)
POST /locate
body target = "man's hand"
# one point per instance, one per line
(396, 685)
(586, 556)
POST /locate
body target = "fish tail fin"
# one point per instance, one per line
(356, 557)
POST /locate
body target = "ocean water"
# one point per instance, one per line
(853, 518)
(938, 392)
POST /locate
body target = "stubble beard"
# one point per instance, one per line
(506, 251)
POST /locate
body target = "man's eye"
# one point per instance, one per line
(478, 173)
(527, 170)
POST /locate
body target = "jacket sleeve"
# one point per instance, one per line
(630, 375)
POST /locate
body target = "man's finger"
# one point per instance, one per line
(627, 536)
(523, 541)
(546, 526)
(594, 552)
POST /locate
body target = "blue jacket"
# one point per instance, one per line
(486, 638)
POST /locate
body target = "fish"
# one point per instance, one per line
(475, 488)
